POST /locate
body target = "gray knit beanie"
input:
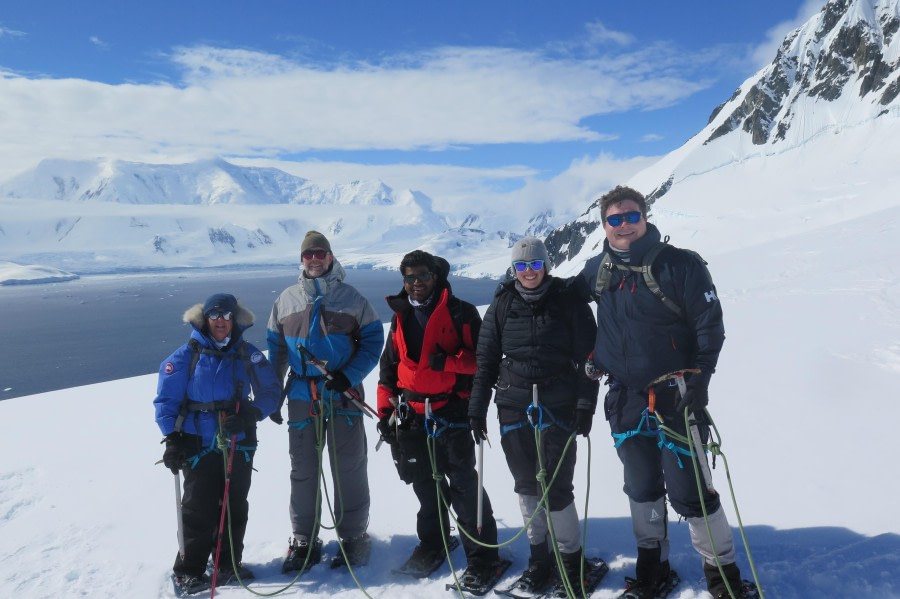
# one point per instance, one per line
(530, 248)
(314, 239)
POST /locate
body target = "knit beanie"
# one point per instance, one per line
(314, 239)
(222, 302)
(530, 248)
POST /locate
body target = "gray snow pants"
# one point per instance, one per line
(346, 452)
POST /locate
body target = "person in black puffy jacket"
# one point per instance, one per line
(535, 335)
(640, 339)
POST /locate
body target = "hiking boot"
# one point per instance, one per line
(302, 555)
(423, 561)
(191, 585)
(716, 585)
(357, 552)
(477, 574)
(536, 578)
(227, 574)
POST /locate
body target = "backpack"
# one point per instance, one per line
(604, 274)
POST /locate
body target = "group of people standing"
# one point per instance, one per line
(538, 353)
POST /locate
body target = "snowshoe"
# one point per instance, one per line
(662, 590)
(425, 559)
(534, 582)
(594, 571)
(186, 585)
(301, 555)
(478, 579)
(747, 590)
(227, 575)
(357, 552)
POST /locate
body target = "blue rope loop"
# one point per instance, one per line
(537, 422)
(435, 426)
(649, 427)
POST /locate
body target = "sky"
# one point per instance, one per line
(451, 98)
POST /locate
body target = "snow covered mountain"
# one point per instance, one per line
(819, 123)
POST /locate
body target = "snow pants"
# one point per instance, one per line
(652, 471)
(454, 451)
(201, 505)
(347, 454)
(518, 442)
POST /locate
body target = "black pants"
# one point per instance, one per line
(522, 454)
(201, 505)
(651, 471)
(454, 451)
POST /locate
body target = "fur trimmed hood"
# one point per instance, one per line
(243, 318)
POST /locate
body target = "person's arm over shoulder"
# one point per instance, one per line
(369, 344)
(387, 370)
(582, 284)
(463, 360)
(278, 349)
(487, 355)
(265, 382)
(171, 388)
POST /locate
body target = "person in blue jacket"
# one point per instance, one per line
(333, 323)
(203, 405)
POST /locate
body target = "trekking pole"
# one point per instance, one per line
(179, 514)
(479, 518)
(350, 394)
(229, 462)
(695, 438)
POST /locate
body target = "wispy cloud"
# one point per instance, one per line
(98, 42)
(7, 32)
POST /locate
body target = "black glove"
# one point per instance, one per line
(338, 383)
(174, 455)
(386, 429)
(479, 428)
(697, 395)
(438, 360)
(243, 421)
(276, 417)
(584, 420)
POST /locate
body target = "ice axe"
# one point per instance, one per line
(693, 430)
(350, 394)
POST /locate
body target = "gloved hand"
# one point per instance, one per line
(174, 455)
(386, 429)
(242, 421)
(584, 420)
(438, 360)
(339, 383)
(479, 428)
(593, 372)
(276, 417)
(697, 396)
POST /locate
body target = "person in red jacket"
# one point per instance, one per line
(429, 358)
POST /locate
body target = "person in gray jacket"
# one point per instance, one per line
(325, 319)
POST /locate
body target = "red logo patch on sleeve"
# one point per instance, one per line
(169, 368)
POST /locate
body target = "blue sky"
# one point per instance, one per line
(454, 97)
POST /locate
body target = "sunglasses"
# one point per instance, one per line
(425, 277)
(521, 265)
(631, 218)
(217, 314)
(317, 254)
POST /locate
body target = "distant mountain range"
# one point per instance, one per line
(790, 135)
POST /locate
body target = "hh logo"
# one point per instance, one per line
(710, 296)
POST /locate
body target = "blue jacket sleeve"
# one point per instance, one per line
(266, 385)
(171, 388)
(368, 352)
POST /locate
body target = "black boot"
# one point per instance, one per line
(539, 573)
(716, 584)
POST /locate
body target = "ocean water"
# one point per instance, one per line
(106, 327)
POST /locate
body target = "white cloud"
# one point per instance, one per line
(7, 32)
(598, 33)
(242, 102)
(96, 41)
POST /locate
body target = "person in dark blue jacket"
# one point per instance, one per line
(203, 406)
(641, 338)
